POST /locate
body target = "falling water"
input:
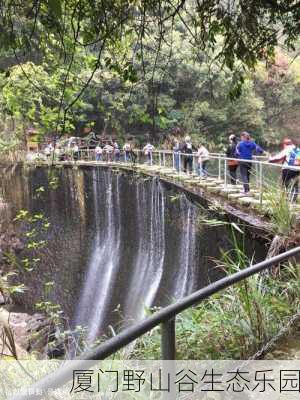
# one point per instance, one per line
(149, 261)
(87, 294)
(108, 260)
(187, 260)
(146, 278)
(104, 261)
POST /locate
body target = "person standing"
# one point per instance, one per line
(116, 151)
(98, 152)
(231, 152)
(176, 155)
(109, 151)
(127, 152)
(203, 158)
(289, 157)
(187, 149)
(48, 149)
(75, 150)
(245, 149)
(148, 150)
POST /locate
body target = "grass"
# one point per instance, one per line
(280, 209)
(235, 323)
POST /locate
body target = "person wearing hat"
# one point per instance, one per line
(232, 164)
(289, 177)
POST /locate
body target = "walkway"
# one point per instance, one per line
(265, 178)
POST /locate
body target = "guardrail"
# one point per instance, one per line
(262, 172)
(166, 317)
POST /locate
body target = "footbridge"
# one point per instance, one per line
(266, 195)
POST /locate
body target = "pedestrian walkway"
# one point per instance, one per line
(213, 187)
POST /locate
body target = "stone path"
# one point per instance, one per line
(250, 204)
(233, 193)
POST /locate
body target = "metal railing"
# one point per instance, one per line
(263, 173)
(166, 317)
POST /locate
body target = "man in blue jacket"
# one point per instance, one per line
(245, 149)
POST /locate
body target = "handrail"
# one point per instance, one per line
(165, 316)
(193, 163)
(216, 156)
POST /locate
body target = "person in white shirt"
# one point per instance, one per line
(48, 149)
(98, 152)
(203, 158)
(109, 150)
(148, 149)
(75, 150)
(127, 152)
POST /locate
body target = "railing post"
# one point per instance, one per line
(200, 167)
(256, 173)
(179, 163)
(225, 173)
(195, 164)
(164, 158)
(159, 156)
(260, 184)
(151, 158)
(173, 160)
(168, 346)
(219, 167)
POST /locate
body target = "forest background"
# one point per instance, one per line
(150, 73)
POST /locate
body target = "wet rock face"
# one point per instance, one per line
(32, 333)
(140, 240)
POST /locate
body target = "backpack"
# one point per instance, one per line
(294, 157)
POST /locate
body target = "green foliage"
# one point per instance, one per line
(149, 67)
(280, 209)
(235, 323)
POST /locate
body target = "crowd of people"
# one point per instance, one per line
(239, 155)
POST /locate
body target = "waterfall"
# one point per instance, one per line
(87, 294)
(104, 261)
(108, 260)
(149, 261)
(187, 259)
(138, 279)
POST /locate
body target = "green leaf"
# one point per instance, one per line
(55, 7)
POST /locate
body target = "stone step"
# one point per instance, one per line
(228, 192)
(204, 183)
(192, 181)
(167, 171)
(248, 201)
(214, 189)
(237, 195)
